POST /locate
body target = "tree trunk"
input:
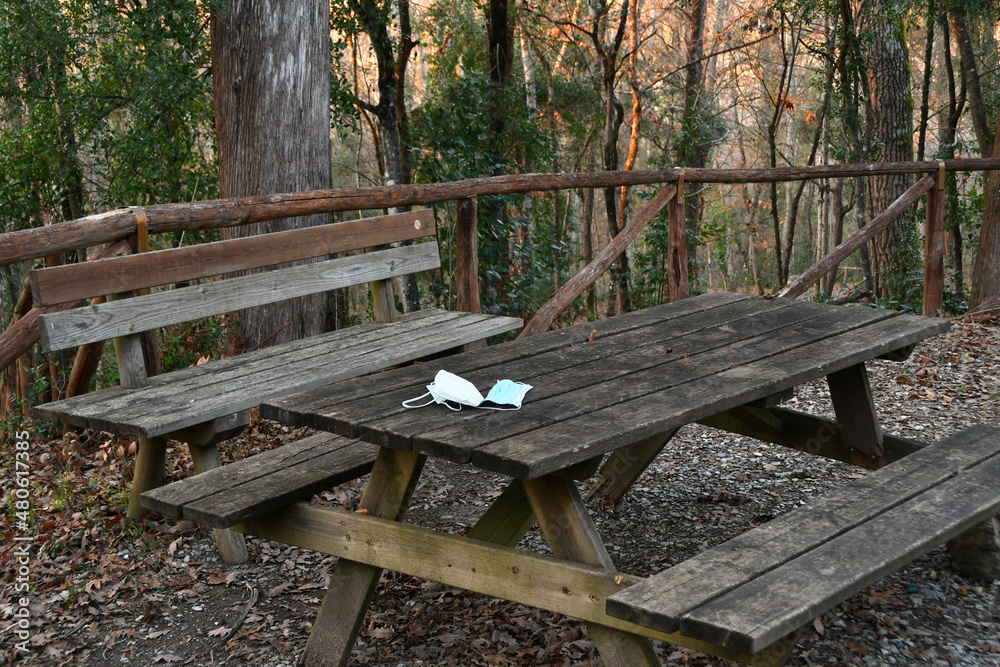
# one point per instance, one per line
(500, 42)
(970, 73)
(892, 120)
(694, 150)
(271, 79)
(986, 270)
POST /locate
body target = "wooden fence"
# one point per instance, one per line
(122, 227)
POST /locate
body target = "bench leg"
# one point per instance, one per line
(353, 584)
(977, 550)
(572, 535)
(150, 463)
(231, 545)
(625, 465)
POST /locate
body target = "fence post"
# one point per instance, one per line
(467, 255)
(677, 257)
(934, 248)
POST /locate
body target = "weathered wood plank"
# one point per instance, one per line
(283, 486)
(707, 355)
(352, 583)
(230, 544)
(663, 599)
(406, 380)
(624, 466)
(507, 520)
(173, 498)
(70, 328)
(251, 390)
(814, 435)
(498, 571)
(590, 434)
(573, 536)
(69, 282)
(570, 383)
(851, 395)
(788, 597)
(241, 382)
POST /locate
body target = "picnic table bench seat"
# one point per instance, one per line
(206, 404)
(226, 496)
(766, 584)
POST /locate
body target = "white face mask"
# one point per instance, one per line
(449, 388)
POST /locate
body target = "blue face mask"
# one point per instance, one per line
(507, 392)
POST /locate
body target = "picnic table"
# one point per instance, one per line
(623, 386)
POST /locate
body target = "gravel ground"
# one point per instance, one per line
(706, 487)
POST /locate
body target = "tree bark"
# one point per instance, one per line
(694, 149)
(970, 73)
(271, 80)
(986, 270)
(892, 122)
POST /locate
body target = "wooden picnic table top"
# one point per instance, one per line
(602, 385)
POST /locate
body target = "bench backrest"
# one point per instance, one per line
(124, 317)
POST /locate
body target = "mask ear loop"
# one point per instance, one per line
(406, 404)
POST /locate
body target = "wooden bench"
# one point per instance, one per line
(206, 404)
(749, 599)
(758, 591)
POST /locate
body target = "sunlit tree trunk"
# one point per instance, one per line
(271, 79)
(693, 150)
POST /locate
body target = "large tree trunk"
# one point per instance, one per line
(986, 270)
(892, 110)
(271, 79)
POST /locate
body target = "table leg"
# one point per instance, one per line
(852, 403)
(572, 535)
(625, 465)
(507, 519)
(353, 584)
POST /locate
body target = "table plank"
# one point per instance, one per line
(573, 440)
(583, 366)
(300, 408)
(778, 331)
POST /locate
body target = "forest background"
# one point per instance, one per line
(107, 103)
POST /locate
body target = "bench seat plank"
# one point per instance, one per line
(756, 588)
(194, 395)
(225, 496)
(71, 328)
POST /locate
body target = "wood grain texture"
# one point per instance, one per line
(851, 395)
(352, 584)
(305, 406)
(560, 377)
(142, 313)
(752, 616)
(603, 430)
(572, 535)
(228, 495)
(213, 214)
(72, 282)
(195, 395)
(498, 571)
(664, 599)
(648, 374)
